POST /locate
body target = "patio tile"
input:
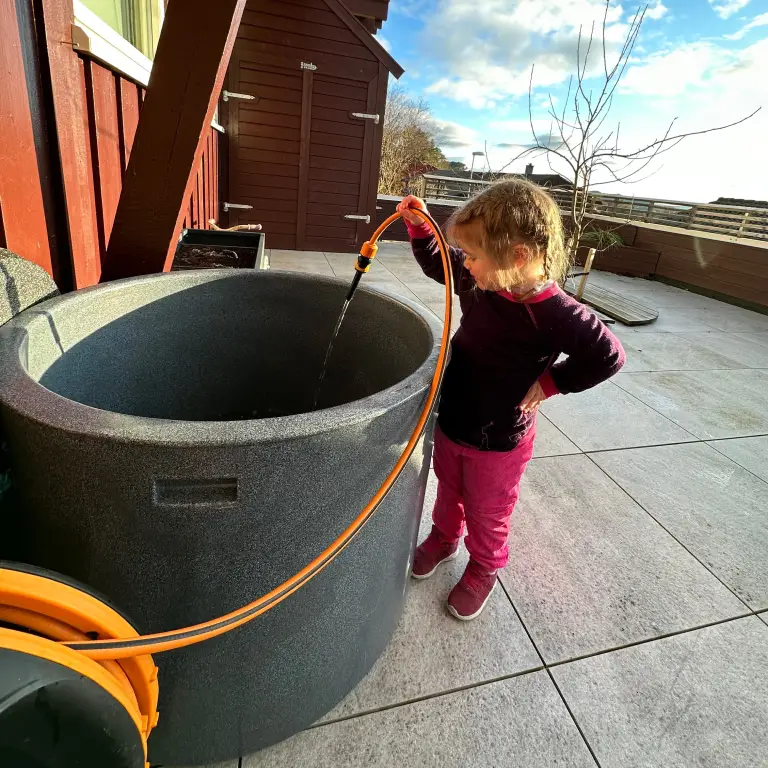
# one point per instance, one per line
(590, 570)
(711, 505)
(673, 322)
(746, 353)
(759, 337)
(670, 352)
(709, 404)
(312, 262)
(518, 723)
(550, 441)
(729, 318)
(763, 616)
(431, 652)
(749, 452)
(698, 699)
(608, 417)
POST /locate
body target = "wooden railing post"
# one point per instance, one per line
(587, 267)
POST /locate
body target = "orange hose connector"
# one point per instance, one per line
(121, 642)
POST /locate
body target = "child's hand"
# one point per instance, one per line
(533, 399)
(406, 204)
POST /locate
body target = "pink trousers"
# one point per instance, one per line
(479, 489)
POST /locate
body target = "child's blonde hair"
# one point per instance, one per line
(510, 213)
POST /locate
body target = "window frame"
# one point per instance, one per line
(92, 35)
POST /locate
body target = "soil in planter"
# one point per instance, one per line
(210, 257)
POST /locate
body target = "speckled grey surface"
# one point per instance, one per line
(698, 699)
(590, 570)
(716, 508)
(517, 723)
(22, 284)
(180, 519)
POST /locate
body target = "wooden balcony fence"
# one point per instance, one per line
(728, 220)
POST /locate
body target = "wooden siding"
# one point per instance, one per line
(113, 108)
(70, 122)
(734, 271)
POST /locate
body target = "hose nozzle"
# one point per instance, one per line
(362, 265)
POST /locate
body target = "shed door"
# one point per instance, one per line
(264, 144)
(299, 157)
(340, 161)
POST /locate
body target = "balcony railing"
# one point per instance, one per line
(727, 220)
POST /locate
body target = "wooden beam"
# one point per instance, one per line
(23, 227)
(187, 75)
(70, 109)
(373, 9)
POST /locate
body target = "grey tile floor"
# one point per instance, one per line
(630, 627)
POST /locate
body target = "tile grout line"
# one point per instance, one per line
(663, 416)
(427, 697)
(647, 640)
(729, 458)
(549, 674)
(669, 533)
(696, 440)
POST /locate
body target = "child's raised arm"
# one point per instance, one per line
(426, 251)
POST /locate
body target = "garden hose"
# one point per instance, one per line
(61, 623)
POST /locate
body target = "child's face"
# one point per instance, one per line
(479, 265)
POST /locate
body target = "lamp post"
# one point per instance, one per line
(472, 169)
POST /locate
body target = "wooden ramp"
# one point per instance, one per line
(627, 311)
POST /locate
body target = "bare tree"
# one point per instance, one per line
(577, 136)
(408, 140)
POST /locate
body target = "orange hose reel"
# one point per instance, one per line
(73, 628)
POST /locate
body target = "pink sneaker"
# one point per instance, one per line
(470, 595)
(435, 549)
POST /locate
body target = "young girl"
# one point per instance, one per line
(516, 322)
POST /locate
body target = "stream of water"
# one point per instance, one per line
(328, 354)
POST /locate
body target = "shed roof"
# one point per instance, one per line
(365, 37)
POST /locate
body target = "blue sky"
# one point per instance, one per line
(704, 62)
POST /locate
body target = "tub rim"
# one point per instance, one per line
(25, 396)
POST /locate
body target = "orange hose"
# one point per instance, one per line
(124, 648)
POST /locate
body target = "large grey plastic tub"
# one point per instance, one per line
(111, 399)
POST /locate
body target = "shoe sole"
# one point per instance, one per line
(457, 615)
(437, 565)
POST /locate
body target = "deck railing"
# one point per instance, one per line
(728, 220)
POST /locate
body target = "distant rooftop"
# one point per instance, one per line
(542, 179)
(741, 203)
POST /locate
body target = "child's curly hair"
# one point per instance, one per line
(510, 213)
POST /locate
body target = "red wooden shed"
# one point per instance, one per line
(303, 108)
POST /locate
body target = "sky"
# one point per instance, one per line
(704, 62)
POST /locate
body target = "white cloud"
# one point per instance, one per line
(758, 21)
(485, 49)
(656, 11)
(449, 135)
(698, 66)
(726, 8)
(384, 43)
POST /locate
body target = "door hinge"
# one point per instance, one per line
(358, 217)
(308, 65)
(365, 116)
(239, 206)
(227, 95)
